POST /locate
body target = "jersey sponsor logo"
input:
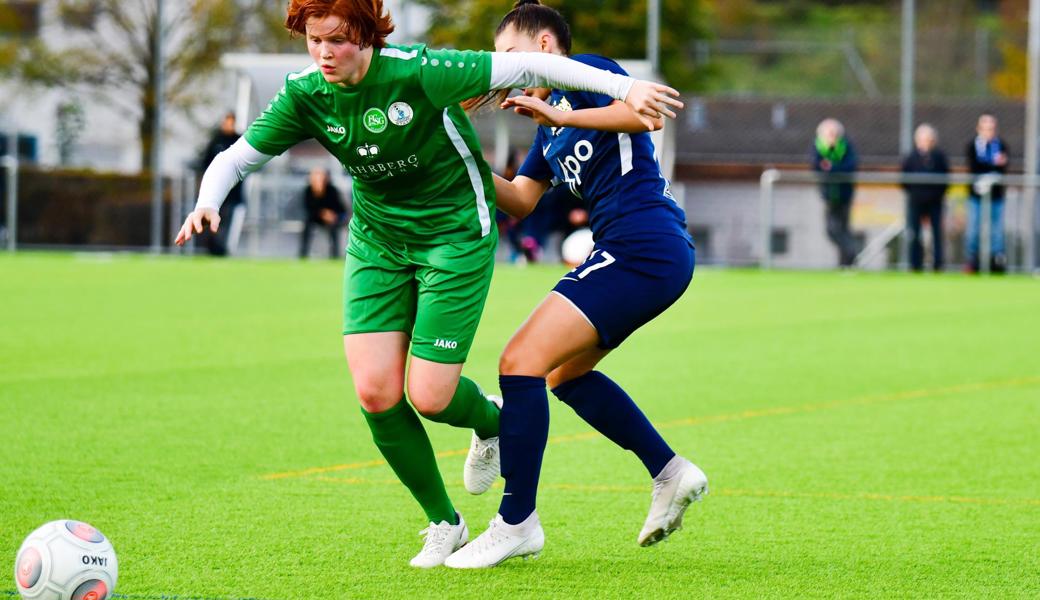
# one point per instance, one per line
(390, 168)
(368, 150)
(400, 113)
(446, 344)
(341, 130)
(572, 165)
(374, 120)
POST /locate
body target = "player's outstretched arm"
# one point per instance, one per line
(539, 69)
(519, 196)
(224, 173)
(616, 118)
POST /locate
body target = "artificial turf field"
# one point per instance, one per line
(865, 435)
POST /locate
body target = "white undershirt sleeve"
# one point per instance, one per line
(228, 169)
(541, 69)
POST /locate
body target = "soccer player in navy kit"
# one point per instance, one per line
(642, 263)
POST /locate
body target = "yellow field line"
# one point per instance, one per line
(741, 493)
(887, 497)
(737, 416)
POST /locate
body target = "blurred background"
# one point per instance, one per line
(97, 96)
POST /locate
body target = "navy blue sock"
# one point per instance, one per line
(604, 405)
(522, 431)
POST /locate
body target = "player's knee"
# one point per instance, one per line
(377, 396)
(517, 361)
(427, 401)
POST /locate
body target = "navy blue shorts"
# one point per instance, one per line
(622, 286)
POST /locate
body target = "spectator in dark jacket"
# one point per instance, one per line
(834, 154)
(324, 208)
(987, 154)
(925, 200)
(232, 211)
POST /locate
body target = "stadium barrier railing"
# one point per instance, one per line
(983, 184)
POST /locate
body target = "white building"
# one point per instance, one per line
(109, 140)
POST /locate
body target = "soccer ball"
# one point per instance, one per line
(66, 560)
(577, 247)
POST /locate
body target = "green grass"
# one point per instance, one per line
(865, 436)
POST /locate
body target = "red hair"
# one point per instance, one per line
(365, 22)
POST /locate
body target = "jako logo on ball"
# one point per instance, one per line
(100, 561)
(66, 560)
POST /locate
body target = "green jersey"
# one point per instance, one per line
(419, 175)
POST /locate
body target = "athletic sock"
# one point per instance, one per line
(522, 436)
(401, 439)
(604, 405)
(470, 408)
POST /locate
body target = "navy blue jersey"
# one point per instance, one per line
(616, 174)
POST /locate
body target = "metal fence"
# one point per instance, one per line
(1023, 223)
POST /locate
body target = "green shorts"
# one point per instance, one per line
(434, 293)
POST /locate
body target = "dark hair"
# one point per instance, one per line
(531, 16)
(365, 23)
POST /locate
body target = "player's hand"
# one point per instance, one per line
(652, 101)
(195, 223)
(536, 109)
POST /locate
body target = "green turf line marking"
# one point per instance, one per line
(352, 466)
(737, 493)
(318, 470)
(867, 400)
(744, 415)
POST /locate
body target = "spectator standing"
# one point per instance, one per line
(925, 200)
(324, 207)
(232, 211)
(833, 154)
(987, 153)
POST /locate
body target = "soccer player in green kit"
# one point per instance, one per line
(422, 240)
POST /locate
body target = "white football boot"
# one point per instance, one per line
(441, 540)
(678, 485)
(483, 463)
(500, 542)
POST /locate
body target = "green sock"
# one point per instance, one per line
(470, 408)
(401, 439)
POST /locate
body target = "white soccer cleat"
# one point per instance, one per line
(680, 483)
(441, 540)
(500, 542)
(483, 463)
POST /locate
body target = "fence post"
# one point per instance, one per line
(190, 188)
(176, 204)
(10, 164)
(769, 177)
(985, 231)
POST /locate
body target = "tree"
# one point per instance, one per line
(1011, 80)
(108, 47)
(615, 28)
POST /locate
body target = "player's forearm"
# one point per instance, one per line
(226, 171)
(618, 118)
(540, 69)
(515, 198)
